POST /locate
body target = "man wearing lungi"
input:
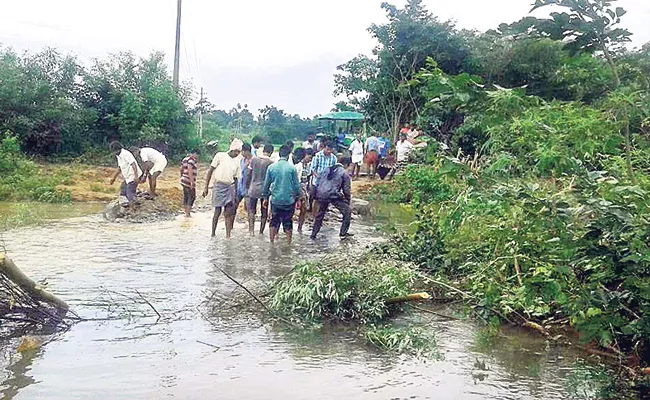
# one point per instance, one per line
(226, 171)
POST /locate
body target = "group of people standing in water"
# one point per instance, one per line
(298, 180)
(279, 185)
(295, 180)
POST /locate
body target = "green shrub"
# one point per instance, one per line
(21, 179)
(557, 138)
(354, 288)
(575, 247)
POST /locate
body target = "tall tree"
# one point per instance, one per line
(377, 84)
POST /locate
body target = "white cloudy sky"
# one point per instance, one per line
(259, 52)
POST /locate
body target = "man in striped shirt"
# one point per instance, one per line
(323, 160)
(320, 164)
(189, 171)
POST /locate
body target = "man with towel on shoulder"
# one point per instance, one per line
(226, 171)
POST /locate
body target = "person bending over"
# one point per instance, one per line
(130, 170)
(334, 187)
(154, 163)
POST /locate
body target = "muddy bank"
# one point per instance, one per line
(146, 210)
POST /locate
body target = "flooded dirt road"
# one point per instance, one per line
(95, 266)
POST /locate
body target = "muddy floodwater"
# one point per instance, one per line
(188, 354)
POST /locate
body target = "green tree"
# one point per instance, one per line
(377, 84)
(38, 103)
(589, 26)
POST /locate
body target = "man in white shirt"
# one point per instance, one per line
(154, 163)
(356, 151)
(226, 170)
(404, 148)
(310, 143)
(130, 170)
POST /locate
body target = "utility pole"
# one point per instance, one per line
(177, 52)
(201, 115)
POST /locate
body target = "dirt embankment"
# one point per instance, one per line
(90, 183)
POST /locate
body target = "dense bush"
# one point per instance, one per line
(556, 138)
(573, 246)
(55, 106)
(20, 179)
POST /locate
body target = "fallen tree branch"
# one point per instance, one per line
(148, 303)
(408, 298)
(536, 327)
(254, 297)
(430, 280)
(518, 271)
(8, 268)
(208, 344)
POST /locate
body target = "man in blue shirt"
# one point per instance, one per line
(285, 192)
(372, 155)
(384, 146)
(340, 140)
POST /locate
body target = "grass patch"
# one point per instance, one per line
(355, 289)
(22, 180)
(416, 341)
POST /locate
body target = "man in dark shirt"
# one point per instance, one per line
(334, 187)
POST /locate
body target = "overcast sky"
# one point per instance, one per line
(256, 52)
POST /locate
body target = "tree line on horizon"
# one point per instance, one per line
(56, 107)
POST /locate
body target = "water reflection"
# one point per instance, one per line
(174, 264)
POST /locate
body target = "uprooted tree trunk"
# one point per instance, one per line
(23, 300)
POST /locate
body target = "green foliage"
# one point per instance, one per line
(416, 341)
(419, 185)
(579, 244)
(589, 382)
(342, 289)
(590, 25)
(20, 179)
(556, 138)
(280, 127)
(377, 84)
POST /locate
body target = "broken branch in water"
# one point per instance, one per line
(254, 297)
(148, 303)
(208, 344)
(33, 289)
(23, 301)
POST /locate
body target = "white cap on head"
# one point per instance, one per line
(236, 144)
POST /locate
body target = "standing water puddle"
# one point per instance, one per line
(171, 265)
